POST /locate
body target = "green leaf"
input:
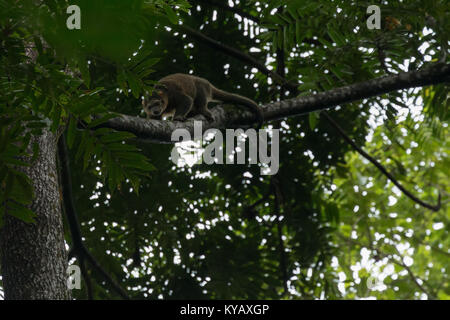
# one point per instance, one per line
(119, 146)
(274, 42)
(171, 14)
(280, 37)
(114, 176)
(88, 152)
(334, 34)
(116, 136)
(38, 43)
(35, 150)
(313, 119)
(135, 84)
(102, 119)
(13, 161)
(84, 138)
(36, 124)
(293, 12)
(332, 212)
(277, 18)
(307, 86)
(298, 32)
(55, 117)
(22, 190)
(20, 212)
(144, 64)
(84, 69)
(122, 81)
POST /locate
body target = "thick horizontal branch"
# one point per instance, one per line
(160, 131)
(324, 100)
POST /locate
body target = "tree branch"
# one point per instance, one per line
(160, 131)
(116, 287)
(411, 274)
(390, 258)
(278, 204)
(87, 280)
(382, 57)
(380, 167)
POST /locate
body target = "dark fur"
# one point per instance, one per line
(183, 95)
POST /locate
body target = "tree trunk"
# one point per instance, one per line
(34, 258)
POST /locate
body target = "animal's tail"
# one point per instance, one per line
(231, 97)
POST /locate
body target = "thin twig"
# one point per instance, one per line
(391, 259)
(411, 274)
(380, 167)
(382, 56)
(105, 275)
(278, 203)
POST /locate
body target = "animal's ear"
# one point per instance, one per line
(160, 89)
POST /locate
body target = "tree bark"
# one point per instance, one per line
(34, 258)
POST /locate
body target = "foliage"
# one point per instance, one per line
(220, 231)
(38, 93)
(392, 230)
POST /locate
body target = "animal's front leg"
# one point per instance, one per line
(201, 103)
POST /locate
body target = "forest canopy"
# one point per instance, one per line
(358, 208)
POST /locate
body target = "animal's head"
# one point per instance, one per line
(156, 104)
